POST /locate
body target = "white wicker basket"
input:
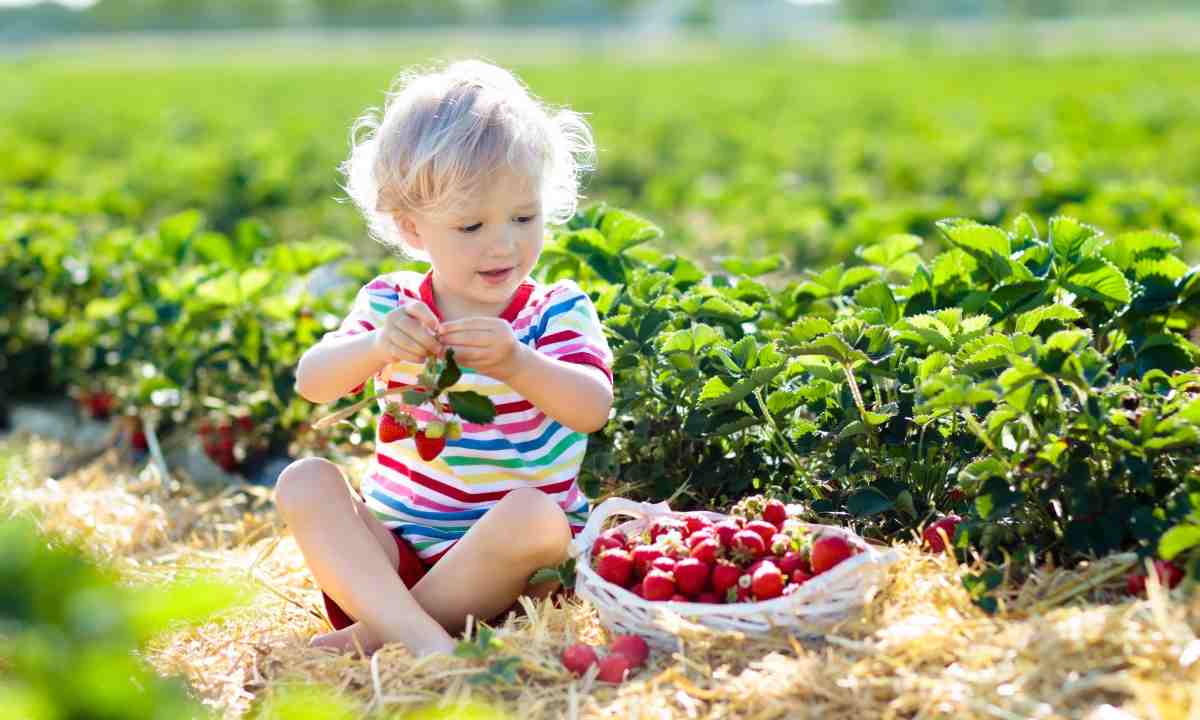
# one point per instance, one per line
(821, 602)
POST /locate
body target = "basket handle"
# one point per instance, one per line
(612, 506)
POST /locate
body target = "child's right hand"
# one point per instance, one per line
(409, 333)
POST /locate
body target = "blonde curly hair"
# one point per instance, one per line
(444, 132)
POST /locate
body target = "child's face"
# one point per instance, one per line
(481, 252)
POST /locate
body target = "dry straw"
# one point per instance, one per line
(1068, 644)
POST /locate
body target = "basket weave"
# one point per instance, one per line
(821, 602)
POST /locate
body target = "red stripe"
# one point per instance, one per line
(557, 337)
(513, 407)
(410, 293)
(501, 409)
(366, 324)
(588, 359)
(456, 493)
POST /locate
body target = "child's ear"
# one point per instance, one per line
(408, 229)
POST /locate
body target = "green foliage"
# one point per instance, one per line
(1046, 380)
(69, 631)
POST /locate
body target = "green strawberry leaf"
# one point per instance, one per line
(472, 407)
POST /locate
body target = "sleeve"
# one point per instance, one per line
(371, 305)
(571, 330)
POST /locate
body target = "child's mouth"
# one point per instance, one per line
(496, 276)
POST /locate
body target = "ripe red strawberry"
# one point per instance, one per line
(579, 657)
(700, 536)
(429, 447)
(708, 596)
(800, 576)
(775, 512)
(605, 543)
(791, 562)
(664, 563)
(706, 551)
(724, 576)
(658, 585)
(664, 525)
(827, 552)
(691, 575)
(1169, 574)
(726, 529)
(616, 566)
(245, 423)
(696, 523)
(748, 545)
(614, 668)
(765, 530)
(639, 589)
(1135, 584)
(780, 544)
(767, 582)
(632, 647)
(617, 535)
(680, 598)
(643, 555)
(933, 539)
(393, 428)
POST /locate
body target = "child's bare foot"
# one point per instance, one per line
(344, 640)
(348, 639)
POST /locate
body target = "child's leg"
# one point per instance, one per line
(348, 560)
(489, 567)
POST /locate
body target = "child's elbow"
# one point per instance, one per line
(599, 420)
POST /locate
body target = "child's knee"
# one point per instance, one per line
(305, 484)
(543, 523)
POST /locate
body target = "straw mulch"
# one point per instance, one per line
(1067, 645)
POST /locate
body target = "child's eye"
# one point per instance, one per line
(525, 218)
(470, 228)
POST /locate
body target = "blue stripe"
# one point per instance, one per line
(540, 330)
(389, 294)
(395, 504)
(506, 444)
(429, 532)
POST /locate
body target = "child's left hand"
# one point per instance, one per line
(485, 344)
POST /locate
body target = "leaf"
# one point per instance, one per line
(868, 501)
(995, 498)
(984, 240)
(741, 389)
(622, 230)
(713, 389)
(450, 374)
(472, 407)
(1029, 322)
(879, 296)
(1097, 279)
(1068, 236)
(806, 328)
(1177, 540)
(888, 251)
(752, 267)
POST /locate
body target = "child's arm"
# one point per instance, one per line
(577, 395)
(334, 367)
(367, 341)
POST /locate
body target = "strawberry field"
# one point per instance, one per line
(950, 304)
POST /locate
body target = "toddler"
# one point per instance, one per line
(463, 168)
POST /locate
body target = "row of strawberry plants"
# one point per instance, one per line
(1044, 388)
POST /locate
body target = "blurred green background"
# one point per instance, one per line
(803, 127)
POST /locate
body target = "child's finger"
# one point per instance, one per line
(465, 336)
(422, 314)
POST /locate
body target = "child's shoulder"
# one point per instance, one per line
(395, 283)
(546, 296)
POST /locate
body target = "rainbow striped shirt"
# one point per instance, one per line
(432, 504)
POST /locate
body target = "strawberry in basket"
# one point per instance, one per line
(759, 553)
